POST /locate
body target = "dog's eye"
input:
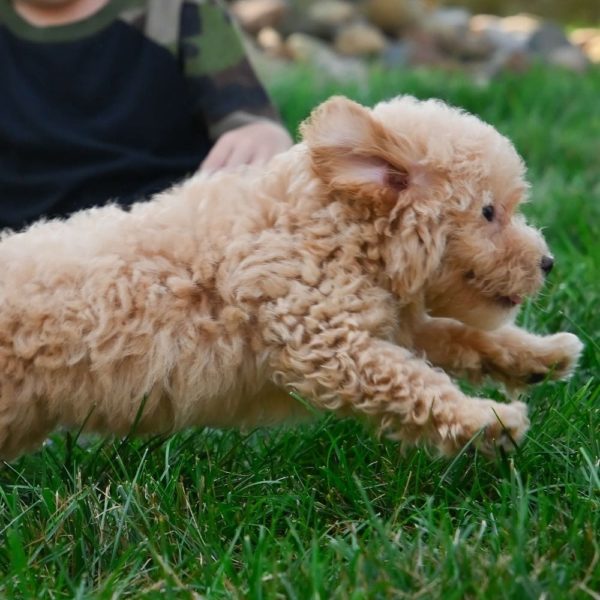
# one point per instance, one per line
(488, 212)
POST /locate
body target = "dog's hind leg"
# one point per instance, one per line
(24, 423)
(351, 373)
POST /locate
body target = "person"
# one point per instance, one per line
(117, 100)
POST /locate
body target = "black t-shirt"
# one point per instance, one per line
(99, 111)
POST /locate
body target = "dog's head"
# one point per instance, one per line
(442, 188)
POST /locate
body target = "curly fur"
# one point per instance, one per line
(353, 267)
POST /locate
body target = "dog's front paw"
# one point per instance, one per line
(488, 425)
(555, 357)
(504, 428)
(519, 358)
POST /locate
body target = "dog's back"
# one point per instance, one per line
(111, 309)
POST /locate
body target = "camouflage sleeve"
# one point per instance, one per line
(226, 91)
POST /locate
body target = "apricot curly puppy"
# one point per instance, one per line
(383, 246)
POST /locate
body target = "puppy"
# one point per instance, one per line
(365, 267)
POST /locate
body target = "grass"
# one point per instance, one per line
(328, 511)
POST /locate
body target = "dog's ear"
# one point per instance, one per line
(360, 159)
(354, 154)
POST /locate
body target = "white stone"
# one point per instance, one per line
(360, 39)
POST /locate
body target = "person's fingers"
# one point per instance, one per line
(261, 157)
(242, 154)
(253, 144)
(218, 156)
(278, 142)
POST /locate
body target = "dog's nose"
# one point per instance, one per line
(546, 264)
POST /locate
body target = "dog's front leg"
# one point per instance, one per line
(351, 373)
(509, 354)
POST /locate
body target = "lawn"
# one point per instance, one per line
(328, 511)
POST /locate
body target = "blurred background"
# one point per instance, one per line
(483, 38)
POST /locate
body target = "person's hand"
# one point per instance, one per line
(252, 144)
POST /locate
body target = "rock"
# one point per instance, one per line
(583, 35)
(270, 41)
(296, 19)
(448, 24)
(331, 13)
(393, 16)
(588, 39)
(360, 39)
(396, 55)
(521, 24)
(521, 39)
(568, 57)
(546, 38)
(303, 48)
(309, 50)
(423, 50)
(550, 43)
(254, 15)
(489, 27)
(483, 22)
(515, 61)
(507, 34)
(592, 50)
(319, 18)
(474, 47)
(483, 72)
(451, 29)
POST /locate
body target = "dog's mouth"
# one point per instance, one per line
(504, 300)
(509, 301)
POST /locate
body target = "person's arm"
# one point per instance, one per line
(239, 115)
